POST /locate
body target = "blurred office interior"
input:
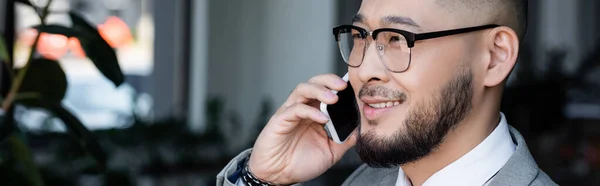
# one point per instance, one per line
(203, 77)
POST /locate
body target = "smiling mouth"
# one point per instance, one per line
(384, 104)
(376, 108)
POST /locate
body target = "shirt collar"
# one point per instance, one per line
(478, 166)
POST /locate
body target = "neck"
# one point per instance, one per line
(478, 124)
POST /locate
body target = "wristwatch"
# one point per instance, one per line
(250, 179)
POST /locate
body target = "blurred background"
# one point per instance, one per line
(203, 77)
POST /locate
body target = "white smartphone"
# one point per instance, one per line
(344, 114)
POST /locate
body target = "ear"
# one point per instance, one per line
(504, 49)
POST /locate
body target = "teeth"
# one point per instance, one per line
(389, 104)
(384, 104)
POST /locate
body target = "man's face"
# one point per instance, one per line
(434, 94)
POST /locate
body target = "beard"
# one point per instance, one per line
(425, 126)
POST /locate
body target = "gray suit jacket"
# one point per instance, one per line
(520, 169)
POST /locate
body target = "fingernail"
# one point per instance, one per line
(329, 95)
(341, 82)
(322, 116)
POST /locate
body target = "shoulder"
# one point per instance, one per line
(357, 174)
(539, 179)
(521, 168)
(365, 175)
(542, 179)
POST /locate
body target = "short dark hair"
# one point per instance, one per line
(512, 13)
(521, 11)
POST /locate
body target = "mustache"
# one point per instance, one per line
(381, 91)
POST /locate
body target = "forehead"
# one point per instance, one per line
(414, 15)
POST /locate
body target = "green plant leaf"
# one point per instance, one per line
(21, 152)
(6, 127)
(4, 51)
(45, 77)
(98, 50)
(74, 127)
(86, 139)
(57, 29)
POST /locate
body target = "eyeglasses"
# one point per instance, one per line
(392, 45)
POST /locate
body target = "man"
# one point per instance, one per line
(428, 77)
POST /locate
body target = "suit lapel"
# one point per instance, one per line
(390, 176)
(365, 175)
(521, 168)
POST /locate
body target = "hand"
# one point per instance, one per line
(293, 147)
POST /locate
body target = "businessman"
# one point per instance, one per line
(428, 76)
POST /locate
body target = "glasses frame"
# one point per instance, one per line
(410, 37)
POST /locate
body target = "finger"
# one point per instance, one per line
(295, 113)
(351, 141)
(340, 149)
(331, 81)
(305, 92)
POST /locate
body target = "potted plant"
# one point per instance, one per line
(41, 83)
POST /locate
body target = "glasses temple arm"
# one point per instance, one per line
(437, 34)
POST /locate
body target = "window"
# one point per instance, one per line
(127, 25)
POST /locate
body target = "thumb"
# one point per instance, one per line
(351, 140)
(340, 149)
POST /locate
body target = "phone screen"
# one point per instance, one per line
(344, 113)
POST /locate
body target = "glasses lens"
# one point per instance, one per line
(351, 46)
(393, 50)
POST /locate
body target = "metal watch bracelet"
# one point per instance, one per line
(250, 179)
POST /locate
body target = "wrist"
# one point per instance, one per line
(250, 178)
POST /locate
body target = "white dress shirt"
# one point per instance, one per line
(478, 166)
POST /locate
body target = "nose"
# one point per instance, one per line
(372, 69)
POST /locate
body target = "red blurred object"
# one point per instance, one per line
(76, 48)
(27, 36)
(115, 31)
(52, 46)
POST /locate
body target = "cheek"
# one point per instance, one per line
(431, 68)
(354, 81)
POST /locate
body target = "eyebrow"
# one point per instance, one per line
(358, 18)
(388, 20)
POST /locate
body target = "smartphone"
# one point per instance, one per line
(344, 114)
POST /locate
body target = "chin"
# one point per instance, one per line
(382, 128)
